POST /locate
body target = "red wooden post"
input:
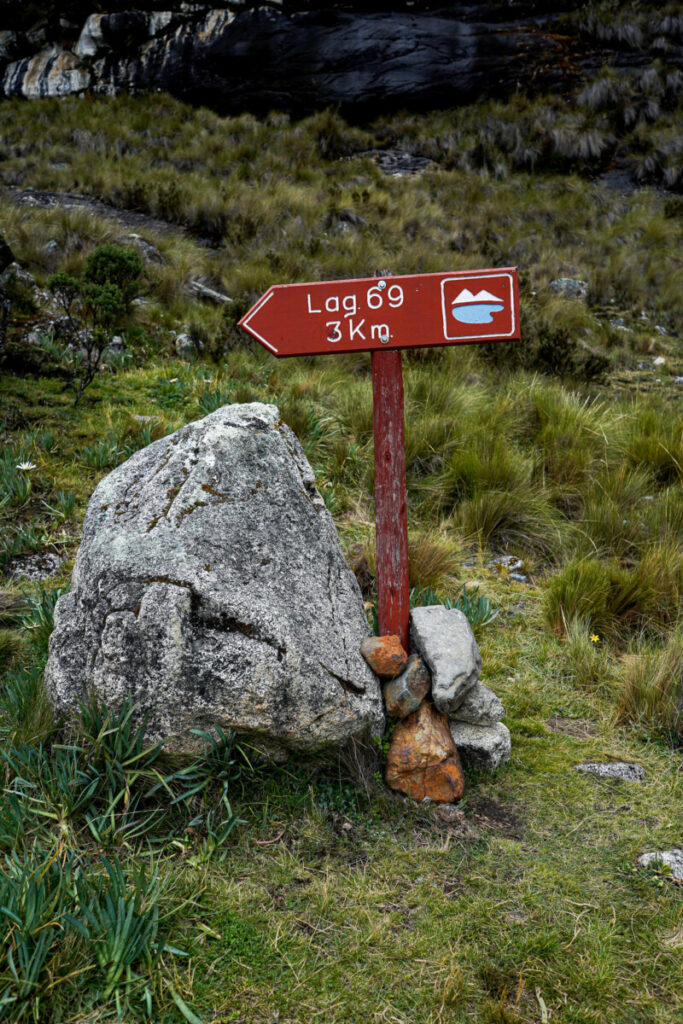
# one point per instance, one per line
(362, 314)
(390, 495)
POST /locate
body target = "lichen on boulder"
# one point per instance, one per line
(210, 589)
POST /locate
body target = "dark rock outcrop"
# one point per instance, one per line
(365, 58)
(6, 258)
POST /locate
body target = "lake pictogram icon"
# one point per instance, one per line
(475, 309)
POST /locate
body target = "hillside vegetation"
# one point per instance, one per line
(224, 891)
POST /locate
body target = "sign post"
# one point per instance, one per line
(391, 520)
(384, 315)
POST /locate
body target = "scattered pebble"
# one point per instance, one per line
(659, 361)
(678, 380)
(661, 330)
(509, 562)
(613, 770)
(519, 577)
(38, 566)
(569, 288)
(671, 859)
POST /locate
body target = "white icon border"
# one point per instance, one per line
(472, 337)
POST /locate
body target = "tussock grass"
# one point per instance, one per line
(613, 599)
(589, 661)
(651, 685)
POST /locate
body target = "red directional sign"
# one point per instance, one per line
(371, 313)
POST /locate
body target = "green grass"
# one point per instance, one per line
(330, 898)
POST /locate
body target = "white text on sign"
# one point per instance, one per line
(351, 306)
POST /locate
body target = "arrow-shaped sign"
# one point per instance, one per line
(383, 313)
(387, 313)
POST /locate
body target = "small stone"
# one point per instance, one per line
(670, 859)
(482, 746)
(569, 288)
(384, 655)
(678, 380)
(185, 346)
(38, 566)
(455, 820)
(149, 252)
(449, 814)
(405, 693)
(444, 638)
(659, 361)
(480, 707)
(661, 330)
(519, 577)
(613, 770)
(509, 562)
(422, 759)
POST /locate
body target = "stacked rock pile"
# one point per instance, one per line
(446, 713)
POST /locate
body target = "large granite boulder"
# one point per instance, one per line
(210, 589)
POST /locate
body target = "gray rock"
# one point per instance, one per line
(405, 693)
(444, 638)
(613, 770)
(186, 346)
(519, 577)
(671, 859)
(509, 562)
(210, 589)
(149, 252)
(204, 291)
(480, 706)
(16, 275)
(569, 288)
(482, 746)
(37, 566)
(659, 361)
(52, 72)
(399, 163)
(104, 32)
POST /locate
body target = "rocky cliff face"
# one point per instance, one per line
(236, 56)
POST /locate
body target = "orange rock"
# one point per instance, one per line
(423, 759)
(384, 655)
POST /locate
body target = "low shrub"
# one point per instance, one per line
(94, 309)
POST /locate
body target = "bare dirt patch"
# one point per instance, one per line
(489, 814)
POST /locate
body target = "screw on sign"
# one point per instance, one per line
(384, 314)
